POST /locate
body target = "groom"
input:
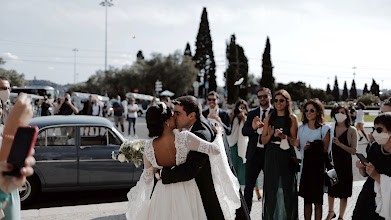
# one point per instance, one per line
(188, 115)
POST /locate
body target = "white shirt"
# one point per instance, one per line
(95, 110)
(133, 107)
(360, 116)
(261, 129)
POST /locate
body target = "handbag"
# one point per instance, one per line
(330, 175)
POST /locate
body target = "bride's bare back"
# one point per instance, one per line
(165, 151)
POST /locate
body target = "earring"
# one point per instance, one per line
(168, 125)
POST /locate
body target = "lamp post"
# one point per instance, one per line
(354, 72)
(74, 66)
(106, 3)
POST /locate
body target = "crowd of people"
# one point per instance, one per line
(202, 160)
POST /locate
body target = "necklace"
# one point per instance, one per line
(384, 151)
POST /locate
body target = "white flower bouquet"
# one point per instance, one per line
(130, 151)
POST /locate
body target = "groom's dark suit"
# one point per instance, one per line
(197, 166)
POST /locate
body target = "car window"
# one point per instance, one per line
(93, 135)
(58, 136)
(113, 139)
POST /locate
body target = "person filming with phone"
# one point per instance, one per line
(374, 201)
(19, 116)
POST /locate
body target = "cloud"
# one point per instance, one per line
(51, 68)
(10, 56)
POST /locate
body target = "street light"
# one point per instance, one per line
(74, 66)
(106, 3)
(354, 72)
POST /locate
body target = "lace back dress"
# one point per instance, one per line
(174, 201)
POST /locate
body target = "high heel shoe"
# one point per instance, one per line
(331, 217)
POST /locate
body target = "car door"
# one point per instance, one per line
(56, 156)
(96, 167)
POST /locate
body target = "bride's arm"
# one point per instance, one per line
(148, 172)
(195, 143)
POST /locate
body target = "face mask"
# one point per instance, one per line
(340, 117)
(381, 138)
(4, 95)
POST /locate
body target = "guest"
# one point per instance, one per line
(344, 145)
(66, 107)
(353, 113)
(132, 115)
(314, 140)
(386, 107)
(45, 105)
(255, 155)
(280, 199)
(360, 121)
(20, 115)
(374, 199)
(215, 114)
(238, 142)
(96, 108)
(119, 113)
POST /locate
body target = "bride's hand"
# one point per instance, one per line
(217, 128)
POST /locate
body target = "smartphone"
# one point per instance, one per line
(362, 158)
(24, 142)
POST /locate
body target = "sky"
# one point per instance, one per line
(311, 40)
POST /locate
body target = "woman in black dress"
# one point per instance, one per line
(379, 157)
(344, 146)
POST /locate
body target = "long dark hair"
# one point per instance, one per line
(236, 110)
(288, 108)
(320, 120)
(156, 115)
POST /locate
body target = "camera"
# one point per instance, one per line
(66, 99)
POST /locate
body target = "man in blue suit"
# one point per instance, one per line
(255, 154)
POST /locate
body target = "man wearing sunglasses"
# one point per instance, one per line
(214, 113)
(255, 154)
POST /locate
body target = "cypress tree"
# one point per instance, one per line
(267, 79)
(345, 94)
(237, 68)
(187, 50)
(204, 58)
(375, 88)
(140, 55)
(353, 90)
(335, 92)
(365, 91)
(328, 90)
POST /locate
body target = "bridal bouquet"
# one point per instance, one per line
(130, 151)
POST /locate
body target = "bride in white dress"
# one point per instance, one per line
(180, 200)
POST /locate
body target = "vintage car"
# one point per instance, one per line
(74, 153)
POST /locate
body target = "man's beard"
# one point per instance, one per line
(263, 105)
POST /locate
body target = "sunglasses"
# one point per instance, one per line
(211, 99)
(310, 110)
(4, 88)
(378, 129)
(262, 96)
(279, 100)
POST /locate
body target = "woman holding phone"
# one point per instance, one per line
(313, 142)
(280, 199)
(374, 199)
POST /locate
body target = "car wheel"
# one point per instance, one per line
(28, 191)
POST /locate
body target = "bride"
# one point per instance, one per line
(170, 147)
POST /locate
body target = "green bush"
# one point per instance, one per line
(369, 99)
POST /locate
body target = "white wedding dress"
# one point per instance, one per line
(182, 200)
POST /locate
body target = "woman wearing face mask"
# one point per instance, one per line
(280, 199)
(344, 145)
(374, 199)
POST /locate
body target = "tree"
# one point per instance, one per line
(353, 90)
(140, 55)
(204, 58)
(187, 50)
(267, 79)
(13, 77)
(335, 92)
(365, 91)
(345, 94)
(328, 90)
(375, 88)
(237, 68)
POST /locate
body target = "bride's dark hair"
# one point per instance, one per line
(157, 114)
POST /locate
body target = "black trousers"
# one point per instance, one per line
(253, 168)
